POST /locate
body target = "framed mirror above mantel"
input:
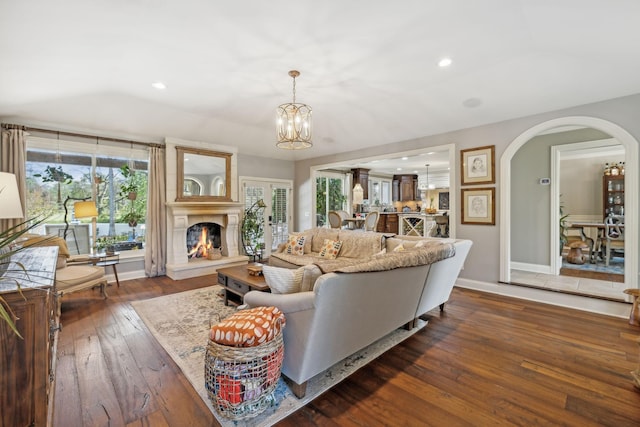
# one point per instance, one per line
(203, 175)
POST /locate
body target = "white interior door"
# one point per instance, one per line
(276, 215)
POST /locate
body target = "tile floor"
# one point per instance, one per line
(579, 285)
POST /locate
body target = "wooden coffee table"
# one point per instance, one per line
(237, 281)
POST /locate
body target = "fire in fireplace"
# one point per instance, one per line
(203, 240)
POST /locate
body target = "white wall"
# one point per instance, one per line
(483, 262)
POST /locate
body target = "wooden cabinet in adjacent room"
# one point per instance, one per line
(388, 223)
(613, 195)
(27, 364)
(406, 188)
(361, 176)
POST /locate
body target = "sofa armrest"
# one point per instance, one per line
(287, 303)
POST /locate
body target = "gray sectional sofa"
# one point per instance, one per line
(357, 300)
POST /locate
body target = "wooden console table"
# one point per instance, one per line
(27, 366)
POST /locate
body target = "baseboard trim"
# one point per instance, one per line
(576, 302)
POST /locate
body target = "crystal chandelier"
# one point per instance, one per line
(293, 126)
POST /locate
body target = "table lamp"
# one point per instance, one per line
(10, 204)
(87, 209)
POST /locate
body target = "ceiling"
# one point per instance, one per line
(368, 67)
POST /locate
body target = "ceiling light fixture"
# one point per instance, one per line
(159, 85)
(429, 185)
(293, 122)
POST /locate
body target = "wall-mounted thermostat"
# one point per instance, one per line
(545, 181)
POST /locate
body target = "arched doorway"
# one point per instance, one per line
(631, 196)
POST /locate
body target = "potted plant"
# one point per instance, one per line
(253, 228)
(57, 175)
(106, 244)
(431, 209)
(129, 188)
(132, 217)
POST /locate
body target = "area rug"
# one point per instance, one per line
(180, 322)
(616, 266)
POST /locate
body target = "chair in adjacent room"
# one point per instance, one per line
(442, 226)
(371, 221)
(335, 220)
(613, 235)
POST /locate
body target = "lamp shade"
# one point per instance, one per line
(85, 209)
(10, 204)
(358, 194)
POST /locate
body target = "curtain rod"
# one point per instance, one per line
(98, 138)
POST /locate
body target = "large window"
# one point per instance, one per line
(60, 173)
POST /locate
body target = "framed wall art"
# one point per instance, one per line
(479, 206)
(477, 165)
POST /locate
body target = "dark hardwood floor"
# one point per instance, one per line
(487, 360)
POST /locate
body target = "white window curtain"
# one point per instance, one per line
(155, 259)
(13, 160)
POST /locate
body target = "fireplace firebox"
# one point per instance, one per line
(203, 239)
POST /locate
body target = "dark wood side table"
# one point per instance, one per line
(237, 281)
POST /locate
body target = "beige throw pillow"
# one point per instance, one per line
(330, 249)
(295, 245)
(283, 280)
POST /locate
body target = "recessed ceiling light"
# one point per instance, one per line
(444, 62)
(405, 158)
(159, 85)
(398, 169)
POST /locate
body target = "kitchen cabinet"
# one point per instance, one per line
(407, 188)
(612, 195)
(388, 223)
(361, 176)
(27, 365)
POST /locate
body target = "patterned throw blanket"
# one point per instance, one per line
(428, 254)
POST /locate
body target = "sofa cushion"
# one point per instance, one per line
(427, 254)
(330, 249)
(248, 328)
(393, 242)
(309, 277)
(283, 280)
(295, 244)
(78, 274)
(282, 259)
(360, 244)
(47, 240)
(319, 235)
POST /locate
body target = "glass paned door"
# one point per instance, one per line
(274, 218)
(331, 195)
